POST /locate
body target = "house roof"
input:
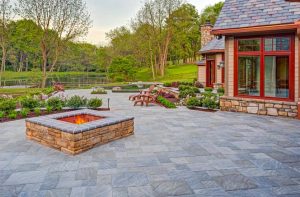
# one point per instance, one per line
(251, 13)
(201, 63)
(216, 45)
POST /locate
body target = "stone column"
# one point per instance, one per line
(206, 36)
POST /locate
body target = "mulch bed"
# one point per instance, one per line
(43, 113)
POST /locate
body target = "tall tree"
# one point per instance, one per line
(186, 37)
(211, 13)
(156, 13)
(60, 20)
(6, 12)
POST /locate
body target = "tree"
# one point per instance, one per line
(6, 12)
(156, 13)
(211, 13)
(60, 20)
(122, 68)
(185, 43)
(25, 36)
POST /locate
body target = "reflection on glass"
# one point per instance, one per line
(249, 75)
(249, 45)
(277, 76)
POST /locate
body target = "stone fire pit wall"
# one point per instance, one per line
(75, 139)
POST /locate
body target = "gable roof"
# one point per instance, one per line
(216, 45)
(250, 13)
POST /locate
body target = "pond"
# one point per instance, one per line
(69, 80)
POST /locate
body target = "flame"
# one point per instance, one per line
(80, 120)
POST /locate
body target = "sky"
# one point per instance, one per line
(109, 14)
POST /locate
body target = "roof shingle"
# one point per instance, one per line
(215, 44)
(249, 13)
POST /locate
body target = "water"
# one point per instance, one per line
(68, 80)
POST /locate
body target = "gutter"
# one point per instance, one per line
(255, 29)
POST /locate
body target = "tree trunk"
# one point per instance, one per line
(44, 67)
(2, 64)
(151, 61)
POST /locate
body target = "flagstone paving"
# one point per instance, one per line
(173, 153)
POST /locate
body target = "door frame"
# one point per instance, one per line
(209, 64)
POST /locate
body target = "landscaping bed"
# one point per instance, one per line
(43, 113)
(33, 106)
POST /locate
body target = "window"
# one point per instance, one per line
(277, 44)
(277, 76)
(249, 75)
(264, 67)
(249, 45)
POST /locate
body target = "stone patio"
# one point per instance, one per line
(173, 153)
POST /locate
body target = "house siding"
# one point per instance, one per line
(202, 74)
(218, 71)
(229, 66)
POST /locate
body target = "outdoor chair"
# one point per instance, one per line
(146, 100)
(142, 92)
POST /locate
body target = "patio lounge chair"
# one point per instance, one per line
(142, 92)
(146, 100)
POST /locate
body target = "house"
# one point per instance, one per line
(262, 56)
(211, 71)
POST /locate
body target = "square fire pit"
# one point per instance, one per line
(77, 131)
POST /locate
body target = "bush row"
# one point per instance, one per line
(208, 100)
(165, 102)
(29, 104)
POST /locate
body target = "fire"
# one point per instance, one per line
(80, 120)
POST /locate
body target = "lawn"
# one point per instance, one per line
(173, 73)
(20, 91)
(27, 75)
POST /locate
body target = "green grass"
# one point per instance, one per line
(17, 75)
(173, 73)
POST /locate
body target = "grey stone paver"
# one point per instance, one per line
(173, 152)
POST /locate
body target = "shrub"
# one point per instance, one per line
(12, 115)
(185, 93)
(208, 89)
(7, 105)
(94, 103)
(75, 102)
(198, 84)
(221, 90)
(210, 101)
(49, 109)
(55, 103)
(194, 102)
(167, 84)
(29, 103)
(165, 102)
(48, 90)
(24, 112)
(37, 111)
(99, 91)
(183, 87)
(196, 90)
(187, 83)
(2, 114)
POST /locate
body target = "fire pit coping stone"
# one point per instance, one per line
(52, 121)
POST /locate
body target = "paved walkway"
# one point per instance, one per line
(173, 153)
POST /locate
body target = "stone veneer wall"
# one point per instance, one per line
(260, 107)
(77, 143)
(206, 36)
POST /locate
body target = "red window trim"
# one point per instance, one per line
(262, 54)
